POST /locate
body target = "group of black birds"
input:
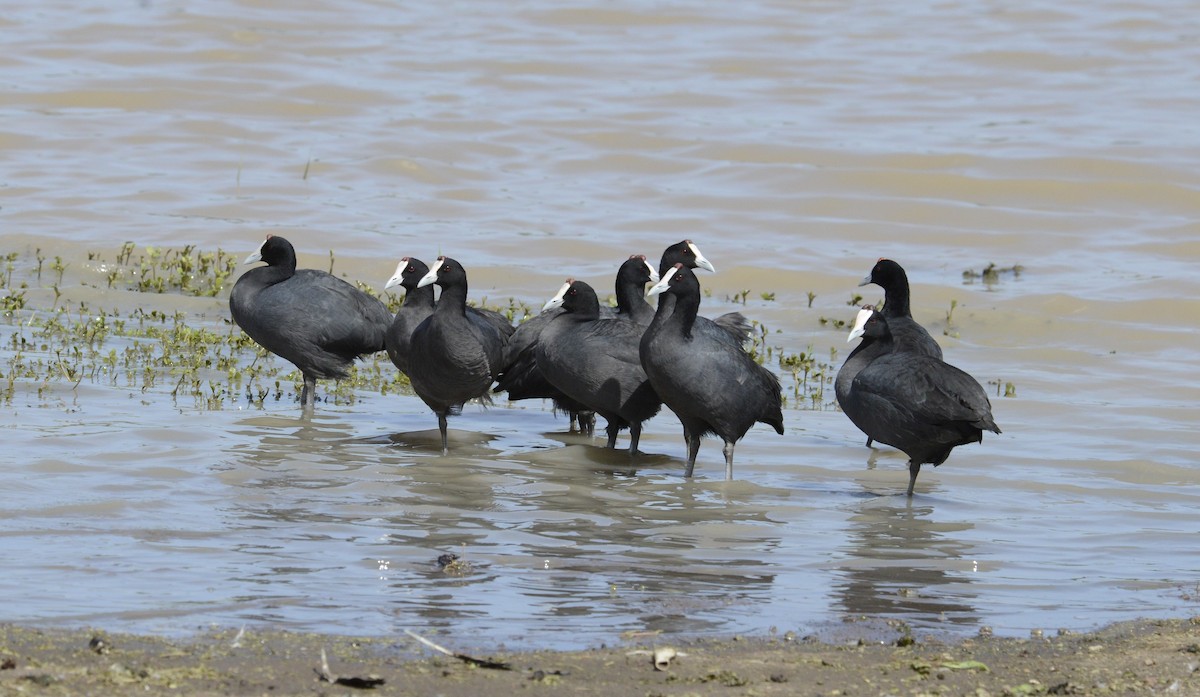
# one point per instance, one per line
(623, 363)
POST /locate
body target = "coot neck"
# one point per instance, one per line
(662, 315)
(588, 312)
(277, 271)
(631, 301)
(677, 313)
(895, 298)
(419, 298)
(453, 299)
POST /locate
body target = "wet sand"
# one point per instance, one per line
(1159, 656)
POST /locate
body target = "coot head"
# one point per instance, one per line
(678, 279)
(686, 253)
(557, 300)
(409, 273)
(639, 269)
(886, 273)
(445, 271)
(860, 322)
(575, 296)
(580, 298)
(275, 251)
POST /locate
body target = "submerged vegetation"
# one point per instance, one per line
(155, 320)
(992, 274)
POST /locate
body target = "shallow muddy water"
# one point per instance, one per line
(795, 143)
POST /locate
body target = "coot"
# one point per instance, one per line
(890, 276)
(712, 385)
(418, 304)
(632, 277)
(688, 254)
(596, 362)
(914, 402)
(521, 377)
(858, 359)
(315, 320)
(453, 354)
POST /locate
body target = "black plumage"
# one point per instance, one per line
(711, 384)
(521, 378)
(317, 321)
(687, 253)
(454, 354)
(859, 358)
(914, 402)
(418, 304)
(890, 276)
(596, 362)
(632, 277)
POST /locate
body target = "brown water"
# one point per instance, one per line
(795, 142)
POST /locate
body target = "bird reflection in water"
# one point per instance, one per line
(901, 563)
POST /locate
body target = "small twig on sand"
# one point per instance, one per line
(368, 683)
(481, 662)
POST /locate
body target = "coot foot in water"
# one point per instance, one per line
(711, 383)
(318, 322)
(453, 354)
(890, 276)
(919, 404)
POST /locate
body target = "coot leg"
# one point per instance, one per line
(635, 435)
(728, 450)
(914, 468)
(870, 441)
(308, 396)
(612, 430)
(693, 448)
(442, 427)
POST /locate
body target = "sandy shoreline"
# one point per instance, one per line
(1144, 657)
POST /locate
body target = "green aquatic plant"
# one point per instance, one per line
(52, 342)
(950, 329)
(809, 376)
(12, 302)
(992, 274)
(832, 322)
(739, 297)
(166, 270)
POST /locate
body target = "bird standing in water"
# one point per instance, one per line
(315, 320)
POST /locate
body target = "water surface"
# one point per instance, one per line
(796, 143)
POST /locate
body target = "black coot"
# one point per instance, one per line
(317, 321)
(914, 402)
(453, 354)
(890, 276)
(418, 304)
(859, 358)
(596, 362)
(688, 254)
(521, 377)
(712, 385)
(632, 277)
